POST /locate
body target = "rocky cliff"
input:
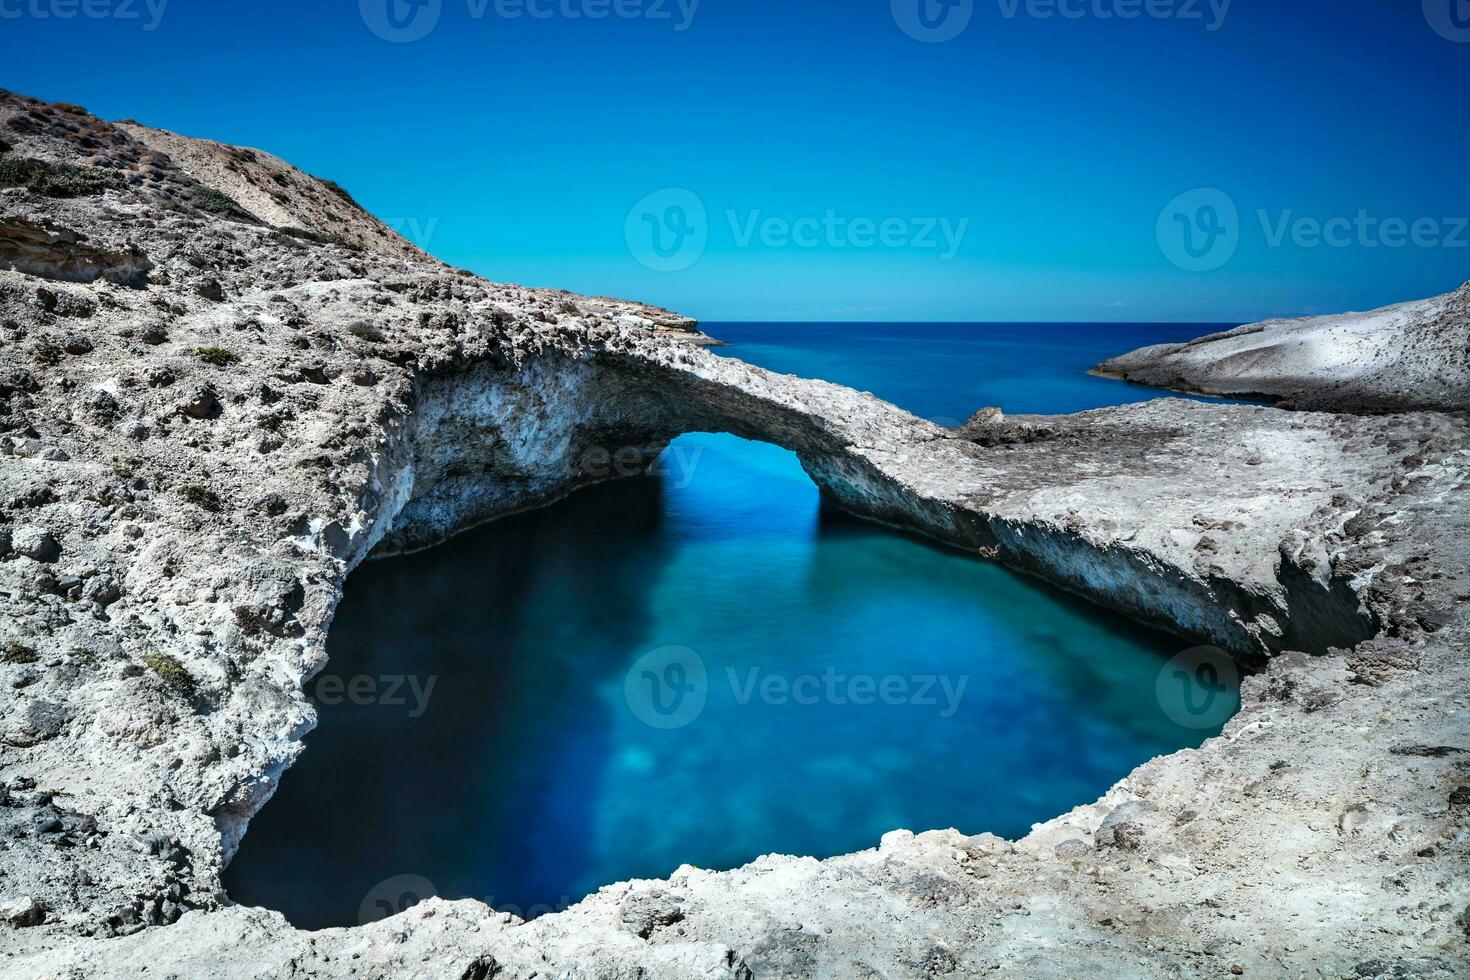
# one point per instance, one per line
(1409, 357)
(220, 393)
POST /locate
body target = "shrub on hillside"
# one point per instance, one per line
(215, 202)
(54, 180)
(217, 356)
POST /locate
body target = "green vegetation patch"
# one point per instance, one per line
(173, 673)
(18, 653)
(215, 202)
(54, 180)
(218, 356)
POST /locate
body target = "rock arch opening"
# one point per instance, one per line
(701, 666)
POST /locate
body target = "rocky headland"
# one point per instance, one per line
(1408, 357)
(223, 385)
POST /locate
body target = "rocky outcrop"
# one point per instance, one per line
(192, 468)
(1410, 357)
(60, 253)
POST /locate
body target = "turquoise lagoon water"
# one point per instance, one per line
(709, 665)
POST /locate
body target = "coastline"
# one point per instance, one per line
(213, 516)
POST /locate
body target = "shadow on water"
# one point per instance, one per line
(505, 717)
(469, 659)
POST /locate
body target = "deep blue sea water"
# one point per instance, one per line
(946, 372)
(709, 665)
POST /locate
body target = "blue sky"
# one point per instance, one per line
(840, 159)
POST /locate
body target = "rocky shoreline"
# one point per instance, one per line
(224, 386)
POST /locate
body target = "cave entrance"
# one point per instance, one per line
(701, 665)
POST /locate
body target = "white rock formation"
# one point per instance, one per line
(1409, 357)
